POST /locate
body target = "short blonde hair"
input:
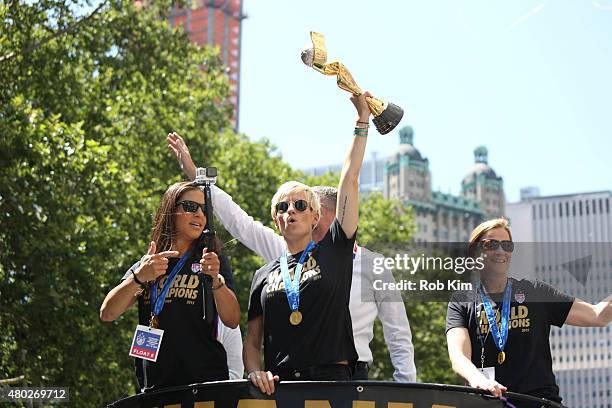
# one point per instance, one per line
(293, 187)
(485, 227)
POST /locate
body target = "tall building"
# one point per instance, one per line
(217, 22)
(484, 186)
(571, 237)
(370, 177)
(439, 216)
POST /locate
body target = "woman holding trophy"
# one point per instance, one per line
(299, 303)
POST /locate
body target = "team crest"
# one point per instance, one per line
(196, 267)
(519, 297)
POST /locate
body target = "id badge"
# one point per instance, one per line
(146, 342)
(488, 372)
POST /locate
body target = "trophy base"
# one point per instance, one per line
(388, 119)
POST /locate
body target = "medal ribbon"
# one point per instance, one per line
(158, 302)
(292, 289)
(500, 337)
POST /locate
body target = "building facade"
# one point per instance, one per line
(371, 177)
(575, 228)
(441, 217)
(217, 22)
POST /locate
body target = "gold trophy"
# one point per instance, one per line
(387, 115)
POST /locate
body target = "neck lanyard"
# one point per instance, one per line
(500, 334)
(157, 303)
(292, 288)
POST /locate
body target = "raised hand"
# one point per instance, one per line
(181, 151)
(210, 263)
(361, 105)
(153, 265)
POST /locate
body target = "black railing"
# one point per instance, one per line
(325, 394)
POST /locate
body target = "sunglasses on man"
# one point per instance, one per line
(493, 244)
(191, 206)
(283, 206)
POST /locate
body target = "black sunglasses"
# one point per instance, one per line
(191, 206)
(283, 206)
(493, 244)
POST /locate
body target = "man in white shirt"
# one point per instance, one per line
(265, 242)
(232, 342)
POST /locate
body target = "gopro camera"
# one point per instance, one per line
(205, 175)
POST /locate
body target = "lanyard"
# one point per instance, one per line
(479, 333)
(500, 335)
(157, 303)
(292, 289)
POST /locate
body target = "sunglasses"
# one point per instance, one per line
(191, 206)
(493, 244)
(283, 206)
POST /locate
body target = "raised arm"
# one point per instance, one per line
(181, 151)
(587, 315)
(347, 208)
(262, 240)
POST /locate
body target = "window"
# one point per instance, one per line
(540, 208)
(586, 207)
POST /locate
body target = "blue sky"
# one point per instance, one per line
(531, 80)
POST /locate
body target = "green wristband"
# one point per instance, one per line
(362, 132)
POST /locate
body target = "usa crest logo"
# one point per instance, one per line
(196, 267)
(519, 297)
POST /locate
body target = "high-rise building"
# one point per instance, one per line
(439, 216)
(571, 236)
(217, 22)
(370, 177)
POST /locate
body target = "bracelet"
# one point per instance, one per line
(363, 132)
(222, 284)
(364, 123)
(252, 374)
(137, 280)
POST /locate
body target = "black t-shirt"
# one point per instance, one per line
(190, 352)
(325, 335)
(534, 308)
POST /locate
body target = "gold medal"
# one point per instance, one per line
(295, 318)
(154, 323)
(501, 357)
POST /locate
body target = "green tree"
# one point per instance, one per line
(385, 226)
(84, 110)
